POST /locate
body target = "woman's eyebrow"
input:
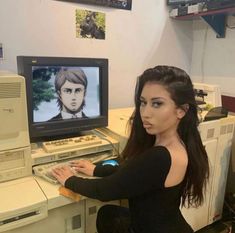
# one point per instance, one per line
(158, 98)
(154, 98)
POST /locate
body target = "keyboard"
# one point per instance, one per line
(44, 170)
(71, 143)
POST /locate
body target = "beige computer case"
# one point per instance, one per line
(15, 155)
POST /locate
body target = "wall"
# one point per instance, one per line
(135, 40)
(213, 58)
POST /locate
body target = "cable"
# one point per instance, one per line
(104, 137)
(115, 149)
(203, 54)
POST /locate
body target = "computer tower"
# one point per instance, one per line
(15, 155)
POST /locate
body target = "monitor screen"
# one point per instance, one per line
(64, 95)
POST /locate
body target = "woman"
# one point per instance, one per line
(165, 161)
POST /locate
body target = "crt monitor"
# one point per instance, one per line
(64, 95)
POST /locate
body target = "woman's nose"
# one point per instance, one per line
(146, 111)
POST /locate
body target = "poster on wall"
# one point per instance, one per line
(90, 24)
(1, 51)
(120, 4)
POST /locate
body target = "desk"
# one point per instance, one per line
(62, 215)
(58, 214)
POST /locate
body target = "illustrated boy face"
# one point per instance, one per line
(72, 96)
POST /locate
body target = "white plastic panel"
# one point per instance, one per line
(66, 219)
(22, 203)
(221, 171)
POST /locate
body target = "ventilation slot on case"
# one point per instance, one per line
(10, 90)
(92, 210)
(223, 129)
(210, 133)
(230, 128)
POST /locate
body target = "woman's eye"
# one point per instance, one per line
(156, 104)
(142, 103)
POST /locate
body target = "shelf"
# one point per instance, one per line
(215, 18)
(217, 23)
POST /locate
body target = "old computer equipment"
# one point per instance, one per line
(56, 141)
(40, 73)
(184, 7)
(15, 154)
(182, 2)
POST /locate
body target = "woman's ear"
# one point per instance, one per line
(182, 110)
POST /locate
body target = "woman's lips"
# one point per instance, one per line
(146, 124)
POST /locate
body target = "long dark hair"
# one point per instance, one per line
(179, 85)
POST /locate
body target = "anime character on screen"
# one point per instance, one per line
(70, 86)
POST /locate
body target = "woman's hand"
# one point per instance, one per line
(62, 173)
(84, 166)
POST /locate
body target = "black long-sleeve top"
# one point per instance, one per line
(153, 208)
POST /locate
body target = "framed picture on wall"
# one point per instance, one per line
(120, 4)
(90, 24)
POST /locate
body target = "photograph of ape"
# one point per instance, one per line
(90, 24)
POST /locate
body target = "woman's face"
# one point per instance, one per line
(158, 111)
